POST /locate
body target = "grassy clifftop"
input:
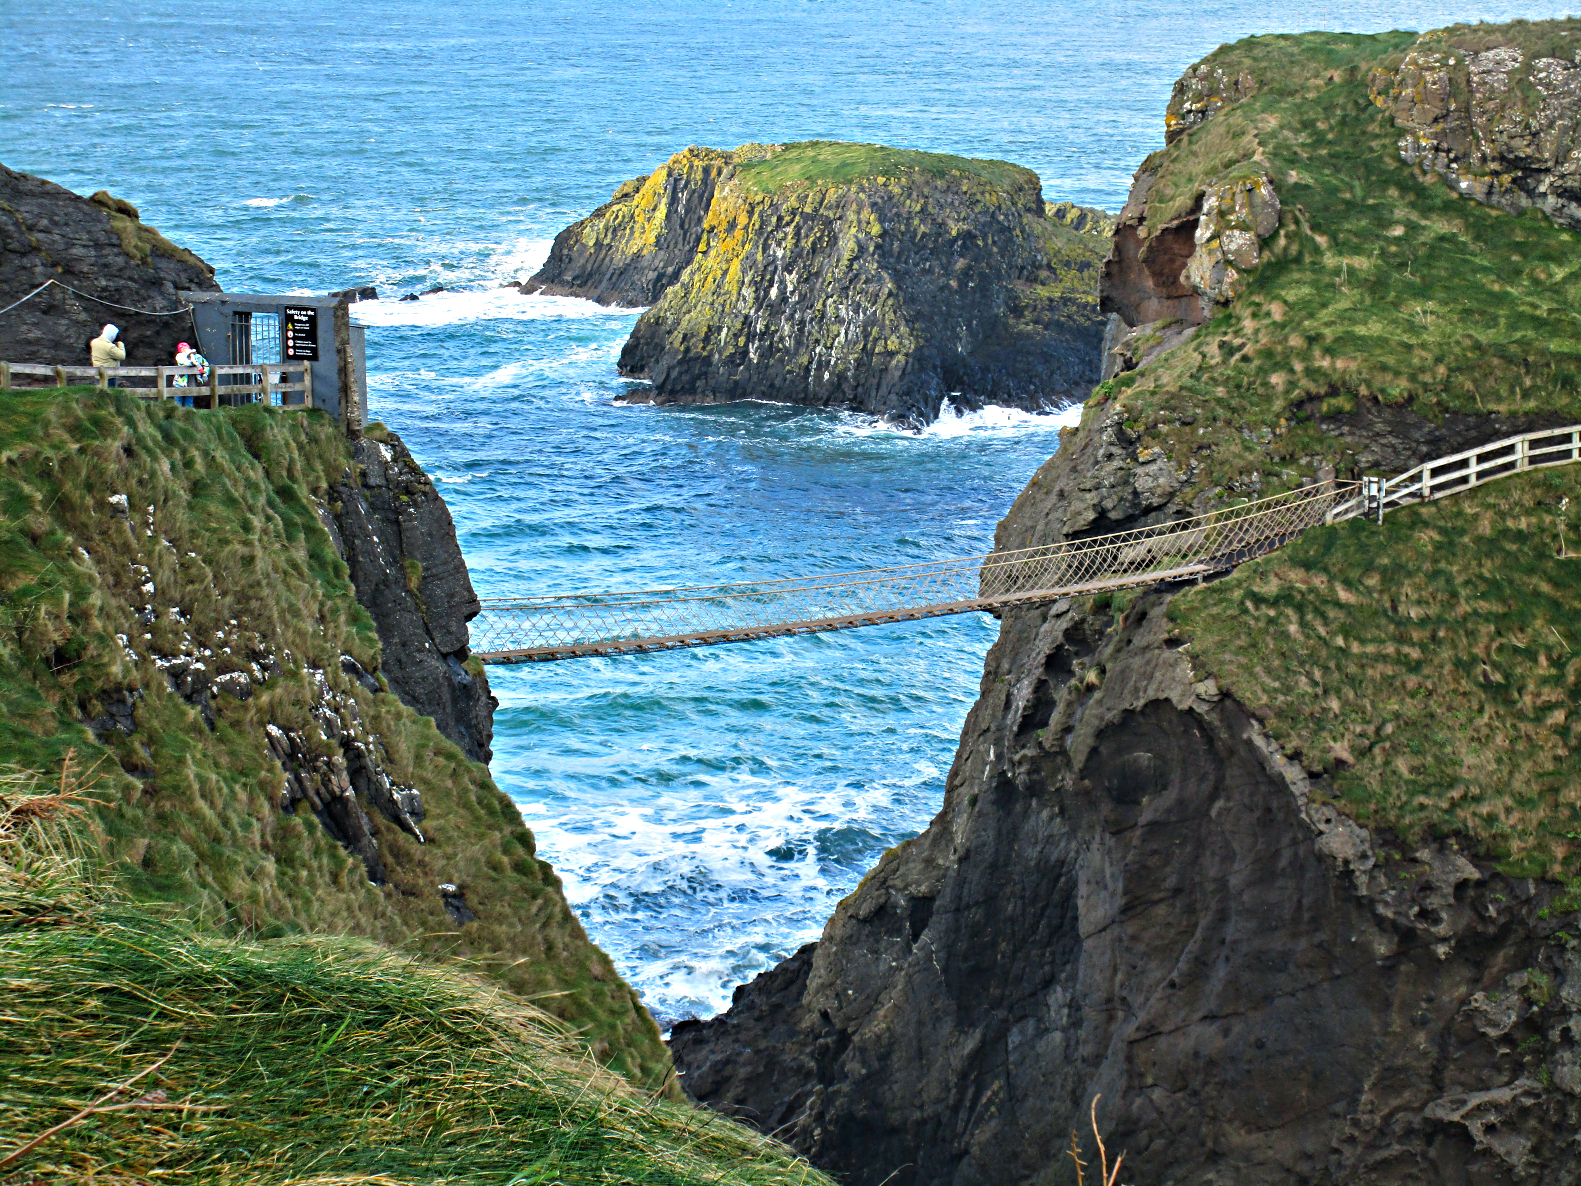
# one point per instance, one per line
(1429, 666)
(301, 1060)
(166, 577)
(834, 162)
(1381, 285)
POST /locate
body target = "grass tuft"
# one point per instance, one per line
(131, 532)
(834, 162)
(303, 1060)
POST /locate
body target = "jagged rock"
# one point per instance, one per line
(1496, 112)
(1144, 274)
(354, 669)
(237, 684)
(1236, 215)
(396, 534)
(117, 711)
(100, 247)
(322, 782)
(632, 248)
(909, 279)
(1202, 91)
(1178, 272)
(1125, 348)
(362, 292)
(1130, 891)
(455, 899)
(1089, 220)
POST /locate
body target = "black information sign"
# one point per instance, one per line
(301, 332)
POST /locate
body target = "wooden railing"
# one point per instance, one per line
(264, 379)
(1461, 471)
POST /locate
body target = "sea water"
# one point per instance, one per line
(706, 809)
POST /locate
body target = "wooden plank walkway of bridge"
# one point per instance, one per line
(526, 629)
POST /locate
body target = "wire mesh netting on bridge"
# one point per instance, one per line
(572, 625)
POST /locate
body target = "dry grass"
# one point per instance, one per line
(297, 1060)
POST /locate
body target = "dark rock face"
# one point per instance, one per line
(1496, 112)
(945, 290)
(396, 534)
(632, 248)
(1130, 893)
(886, 294)
(97, 246)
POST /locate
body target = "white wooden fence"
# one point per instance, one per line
(1461, 471)
(264, 379)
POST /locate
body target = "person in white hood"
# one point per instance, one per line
(105, 351)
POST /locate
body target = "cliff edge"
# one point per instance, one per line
(99, 247)
(843, 275)
(182, 619)
(1280, 866)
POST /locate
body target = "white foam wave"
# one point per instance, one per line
(754, 852)
(520, 260)
(265, 203)
(498, 304)
(953, 422)
(997, 421)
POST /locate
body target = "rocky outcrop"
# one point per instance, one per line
(850, 276)
(1201, 92)
(1178, 270)
(99, 247)
(395, 532)
(1496, 111)
(637, 244)
(1131, 891)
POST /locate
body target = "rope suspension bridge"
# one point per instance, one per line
(513, 630)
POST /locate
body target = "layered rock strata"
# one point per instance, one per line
(844, 276)
(99, 247)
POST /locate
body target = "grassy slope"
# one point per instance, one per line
(194, 818)
(318, 1060)
(1422, 663)
(1379, 285)
(1431, 665)
(833, 162)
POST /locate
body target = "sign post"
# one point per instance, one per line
(301, 332)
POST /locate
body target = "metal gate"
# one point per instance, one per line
(255, 338)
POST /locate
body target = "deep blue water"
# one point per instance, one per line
(706, 808)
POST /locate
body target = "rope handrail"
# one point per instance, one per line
(1249, 509)
(88, 296)
(570, 625)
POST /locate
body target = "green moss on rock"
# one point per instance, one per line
(137, 540)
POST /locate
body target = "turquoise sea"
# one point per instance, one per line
(707, 808)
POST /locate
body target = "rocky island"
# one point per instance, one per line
(1284, 866)
(843, 275)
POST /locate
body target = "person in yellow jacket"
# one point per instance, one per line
(105, 351)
